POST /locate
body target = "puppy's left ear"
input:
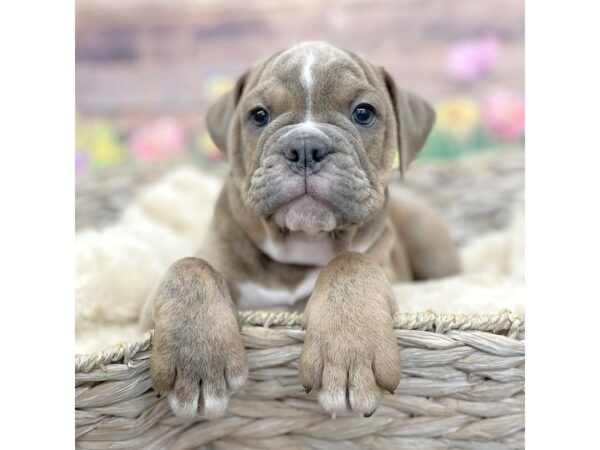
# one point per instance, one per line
(220, 114)
(414, 119)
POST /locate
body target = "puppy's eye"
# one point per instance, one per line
(363, 114)
(259, 117)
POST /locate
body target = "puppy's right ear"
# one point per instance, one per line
(221, 113)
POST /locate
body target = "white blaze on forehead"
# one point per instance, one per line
(306, 54)
(307, 77)
(307, 81)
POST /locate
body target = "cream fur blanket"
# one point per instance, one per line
(117, 267)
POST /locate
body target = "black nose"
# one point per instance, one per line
(306, 154)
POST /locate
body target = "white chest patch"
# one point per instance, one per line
(299, 250)
(256, 296)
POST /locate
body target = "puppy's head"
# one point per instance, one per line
(311, 134)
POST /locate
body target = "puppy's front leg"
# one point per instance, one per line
(350, 351)
(197, 349)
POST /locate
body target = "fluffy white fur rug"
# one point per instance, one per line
(117, 267)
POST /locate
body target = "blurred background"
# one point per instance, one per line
(147, 70)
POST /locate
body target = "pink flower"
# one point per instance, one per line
(471, 59)
(504, 115)
(158, 141)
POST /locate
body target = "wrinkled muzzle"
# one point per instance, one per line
(309, 178)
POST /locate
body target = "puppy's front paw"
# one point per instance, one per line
(350, 351)
(197, 356)
(350, 365)
(198, 369)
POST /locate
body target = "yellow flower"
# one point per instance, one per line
(458, 116)
(82, 136)
(219, 86)
(396, 160)
(101, 141)
(207, 146)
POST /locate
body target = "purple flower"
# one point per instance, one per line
(471, 59)
(81, 162)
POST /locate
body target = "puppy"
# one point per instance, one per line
(305, 218)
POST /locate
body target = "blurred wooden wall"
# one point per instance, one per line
(138, 59)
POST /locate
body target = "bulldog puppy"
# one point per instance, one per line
(306, 213)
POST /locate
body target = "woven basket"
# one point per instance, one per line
(462, 388)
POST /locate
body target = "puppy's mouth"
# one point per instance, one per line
(306, 213)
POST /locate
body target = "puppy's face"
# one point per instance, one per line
(311, 135)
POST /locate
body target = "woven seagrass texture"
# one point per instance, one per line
(462, 388)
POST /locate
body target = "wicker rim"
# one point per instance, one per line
(503, 322)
